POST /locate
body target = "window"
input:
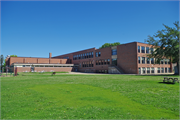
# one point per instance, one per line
(96, 62)
(87, 64)
(165, 70)
(169, 70)
(147, 60)
(87, 55)
(83, 64)
(152, 70)
(138, 49)
(162, 61)
(162, 70)
(142, 49)
(99, 54)
(99, 62)
(108, 61)
(139, 60)
(143, 60)
(152, 60)
(148, 70)
(96, 54)
(152, 49)
(114, 52)
(139, 70)
(79, 56)
(168, 61)
(143, 70)
(165, 61)
(91, 63)
(105, 61)
(83, 56)
(114, 61)
(102, 62)
(147, 49)
(159, 70)
(76, 57)
(92, 54)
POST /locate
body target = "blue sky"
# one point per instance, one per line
(33, 29)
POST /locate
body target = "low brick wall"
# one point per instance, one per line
(23, 69)
(57, 69)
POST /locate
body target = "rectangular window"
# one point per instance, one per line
(96, 62)
(108, 61)
(169, 70)
(158, 71)
(79, 56)
(162, 70)
(96, 54)
(143, 70)
(83, 56)
(143, 60)
(114, 61)
(152, 60)
(139, 70)
(147, 49)
(152, 70)
(165, 70)
(92, 64)
(139, 60)
(138, 49)
(92, 54)
(99, 62)
(168, 61)
(147, 60)
(142, 49)
(165, 61)
(105, 61)
(148, 70)
(162, 61)
(102, 62)
(87, 64)
(87, 55)
(99, 54)
(152, 49)
(114, 52)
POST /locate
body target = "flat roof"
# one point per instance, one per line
(42, 64)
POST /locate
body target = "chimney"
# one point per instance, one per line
(50, 55)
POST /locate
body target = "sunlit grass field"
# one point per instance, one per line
(65, 96)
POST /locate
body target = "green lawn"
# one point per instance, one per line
(65, 96)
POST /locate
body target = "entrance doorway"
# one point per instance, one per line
(114, 61)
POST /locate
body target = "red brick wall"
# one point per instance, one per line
(30, 60)
(48, 69)
(145, 55)
(127, 57)
(23, 69)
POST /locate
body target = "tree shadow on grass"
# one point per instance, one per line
(166, 83)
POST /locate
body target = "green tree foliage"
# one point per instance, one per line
(166, 42)
(109, 44)
(13, 55)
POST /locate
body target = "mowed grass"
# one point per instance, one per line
(65, 96)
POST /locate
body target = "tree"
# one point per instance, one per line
(109, 44)
(166, 43)
(1, 59)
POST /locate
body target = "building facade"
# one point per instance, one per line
(29, 64)
(130, 58)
